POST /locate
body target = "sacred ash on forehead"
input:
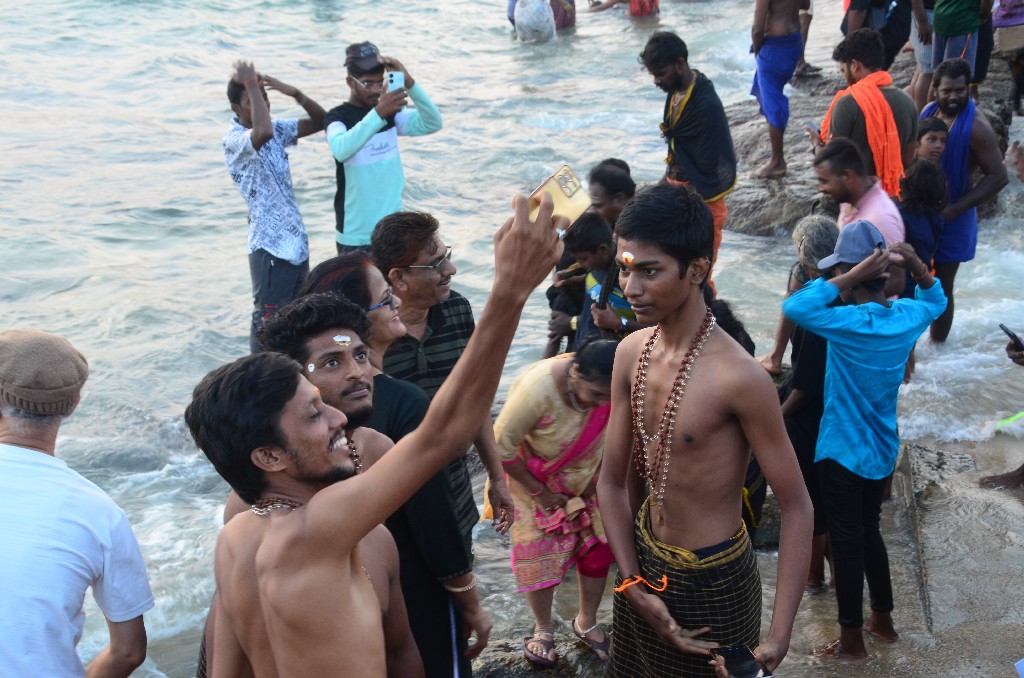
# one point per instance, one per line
(342, 340)
(628, 257)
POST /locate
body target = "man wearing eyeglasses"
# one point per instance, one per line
(363, 135)
(439, 321)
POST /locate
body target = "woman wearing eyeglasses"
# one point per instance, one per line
(436, 569)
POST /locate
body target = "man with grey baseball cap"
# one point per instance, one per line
(869, 340)
(62, 534)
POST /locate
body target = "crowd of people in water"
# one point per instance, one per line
(640, 439)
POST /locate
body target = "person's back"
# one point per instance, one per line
(63, 536)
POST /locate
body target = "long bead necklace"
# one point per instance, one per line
(651, 454)
(264, 507)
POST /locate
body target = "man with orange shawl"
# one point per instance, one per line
(881, 120)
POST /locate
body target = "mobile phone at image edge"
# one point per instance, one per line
(396, 80)
(811, 125)
(740, 661)
(1017, 343)
(567, 194)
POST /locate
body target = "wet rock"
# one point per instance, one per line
(773, 206)
(932, 465)
(503, 659)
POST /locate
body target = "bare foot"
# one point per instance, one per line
(771, 170)
(880, 626)
(1004, 481)
(812, 587)
(835, 650)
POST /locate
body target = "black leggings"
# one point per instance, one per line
(852, 507)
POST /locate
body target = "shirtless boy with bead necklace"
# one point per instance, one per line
(688, 406)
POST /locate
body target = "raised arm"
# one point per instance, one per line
(525, 251)
(262, 128)
(425, 118)
(315, 121)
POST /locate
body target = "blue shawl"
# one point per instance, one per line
(956, 156)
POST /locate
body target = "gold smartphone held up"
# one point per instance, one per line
(566, 193)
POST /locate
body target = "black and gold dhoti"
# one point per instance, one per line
(718, 586)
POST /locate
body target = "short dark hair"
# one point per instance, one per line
(930, 124)
(727, 320)
(588, 233)
(613, 178)
(398, 239)
(952, 69)
(236, 409)
(842, 154)
(289, 330)
(235, 90)
(664, 48)
(923, 188)
(344, 274)
(595, 358)
(674, 219)
(864, 45)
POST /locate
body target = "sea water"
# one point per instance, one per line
(123, 231)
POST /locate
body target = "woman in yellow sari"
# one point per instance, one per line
(550, 434)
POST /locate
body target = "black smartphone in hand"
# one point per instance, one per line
(740, 661)
(1018, 345)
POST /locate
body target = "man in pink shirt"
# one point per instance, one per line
(842, 176)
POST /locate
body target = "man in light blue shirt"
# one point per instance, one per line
(869, 341)
(363, 136)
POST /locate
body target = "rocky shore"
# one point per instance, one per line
(773, 206)
(951, 581)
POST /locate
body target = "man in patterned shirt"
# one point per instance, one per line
(255, 156)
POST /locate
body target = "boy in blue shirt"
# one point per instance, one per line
(868, 343)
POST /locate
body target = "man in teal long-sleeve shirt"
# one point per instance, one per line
(363, 135)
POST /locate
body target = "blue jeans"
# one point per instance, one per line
(954, 47)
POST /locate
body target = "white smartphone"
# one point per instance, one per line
(396, 80)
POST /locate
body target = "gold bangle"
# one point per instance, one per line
(460, 589)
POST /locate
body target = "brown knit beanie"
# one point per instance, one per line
(40, 372)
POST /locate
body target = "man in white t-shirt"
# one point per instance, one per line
(62, 534)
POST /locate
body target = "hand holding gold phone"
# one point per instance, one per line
(567, 194)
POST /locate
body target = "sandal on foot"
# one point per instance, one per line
(545, 639)
(601, 649)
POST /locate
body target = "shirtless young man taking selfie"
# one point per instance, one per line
(292, 597)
